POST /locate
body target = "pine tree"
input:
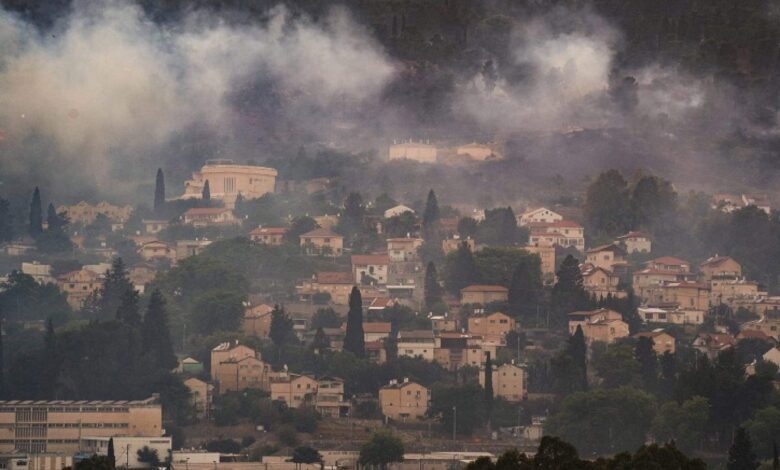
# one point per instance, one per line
(36, 214)
(462, 270)
(488, 385)
(741, 456)
(354, 340)
(281, 329)
(127, 311)
(111, 454)
(114, 287)
(159, 191)
(52, 220)
(577, 349)
(206, 194)
(155, 333)
(432, 288)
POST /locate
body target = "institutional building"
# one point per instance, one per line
(227, 180)
(62, 426)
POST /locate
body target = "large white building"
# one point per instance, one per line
(227, 180)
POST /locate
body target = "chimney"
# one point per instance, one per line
(406, 380)
(393, 382)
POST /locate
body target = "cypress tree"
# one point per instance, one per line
(432, 287)
(488, 385)
(354, 341)
(648, 362)
(577, 349)
(320, 343)
(206, 194)
(741, 456)
(430, 217)
(51, 359)
(155, 334)
(281, 329)
(775, 457)
(128, 308)
(111, 454)
(36, 214)
(6, 226)
(159, 191)
(2, 362)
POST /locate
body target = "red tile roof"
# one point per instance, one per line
(269, 231)
(376, 327)
(669, 260)
(715, 260)
(484, 288)
(332, 277)
(360, 260)
(206, 211)
(321, 233)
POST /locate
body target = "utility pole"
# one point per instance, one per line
(454, 421)
(127, 456)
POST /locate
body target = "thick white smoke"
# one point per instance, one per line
(107, 86)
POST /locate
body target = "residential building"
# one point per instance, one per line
(403, 249)
(228, 351)
(712, 344)
(645, 280)
(227, 180)
(444, 322)
(419, 152)
(60, 425)
(669, 263)
(671, 315)
(294, 389)
(236, 374)
(157, 250)
(370, 269)
(402, 401)
(546, 253)
(770, 326)
(773, 356)
(635, 242)
(189, 365)
(478, 152)
(79, 285)
(376, 330)
(493, 324)
(322, 241)
(663, 342)
(329, 398)
(483, 294)
(685, 295)
(326, 221)
(509, 382)
(141, 275)
(720, 267)
(602, 325)
(154, 226)
(600, 282)
(563, 233)
(40, 272)
(732, 202)
(257, 321)
(126, 448)
(85, 213)
(539, 215)
(187, 248)
(448, 245)
(397, 210)
(606, 256)
(209, 216)
(732, 292)
(268, 235)
(416, 343)
(336, 284)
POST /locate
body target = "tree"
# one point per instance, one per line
(431, 215)
(500, 228)
(568, 294)
(382, 449)
(467, 228)
(460, 269)
(604, 421)
(155, 333)
(306, 455)
(206, 193)
(577, 349)
(128, 308)
(467, 401)
(159, 191)
(6, 221)
(488, 384)
(96, 462)
(648, 362)
(607, 204)
(149, 456)
(325, 318)
(684, 423)
(433, 290)
(354, 340)
(114, 287)
(555, 453)
(764, 428)
(741, 456)
(298, 227)
(617, 366)
(320, 343)
(36, 214)
(525, 286)
(54, 222)
(281, 329)
(111, 455)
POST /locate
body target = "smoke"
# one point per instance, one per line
(97, 99)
